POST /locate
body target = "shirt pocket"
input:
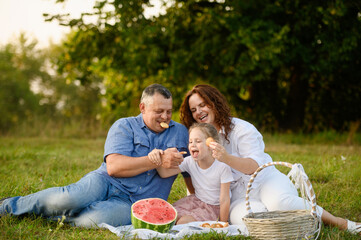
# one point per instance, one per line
(141, 147)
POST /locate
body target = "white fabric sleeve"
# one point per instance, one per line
(250, 144)
(226, 174)
(184, 166)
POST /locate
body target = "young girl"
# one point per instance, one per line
(211, 179)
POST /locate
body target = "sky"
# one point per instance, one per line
(26, 16)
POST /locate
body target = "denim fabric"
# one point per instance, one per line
(99, 198)
(90, 201)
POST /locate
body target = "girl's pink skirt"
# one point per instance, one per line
(194, 207)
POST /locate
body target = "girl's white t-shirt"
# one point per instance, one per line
(207, 182)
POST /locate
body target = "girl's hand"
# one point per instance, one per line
(154, 156)
(218, 151)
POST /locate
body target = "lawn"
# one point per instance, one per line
(28, 165)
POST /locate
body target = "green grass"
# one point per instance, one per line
(28, 165)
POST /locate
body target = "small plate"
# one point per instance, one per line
(213, 225)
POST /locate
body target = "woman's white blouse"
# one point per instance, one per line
(246, 142)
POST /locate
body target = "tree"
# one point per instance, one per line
(31, 91)
(19, 65)
(278, 62)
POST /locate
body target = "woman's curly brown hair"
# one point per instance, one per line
(215, 100)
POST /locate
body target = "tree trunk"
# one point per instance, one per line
(296, 103)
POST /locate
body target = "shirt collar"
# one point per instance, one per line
(222, 131)
(141, 121)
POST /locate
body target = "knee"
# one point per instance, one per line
(238, 210)
(282, 202)
(56, 202)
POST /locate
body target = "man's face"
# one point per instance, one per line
(157, 111)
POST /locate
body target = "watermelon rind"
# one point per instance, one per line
(162, 228)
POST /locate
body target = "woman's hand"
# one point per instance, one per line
(245, 165)
(218, 151)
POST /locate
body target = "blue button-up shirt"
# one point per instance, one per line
(131, 137)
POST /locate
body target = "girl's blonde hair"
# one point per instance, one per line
(208, 129)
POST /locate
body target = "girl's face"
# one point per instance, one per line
(201, 112)
(197, 145)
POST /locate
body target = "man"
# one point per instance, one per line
(126, 175)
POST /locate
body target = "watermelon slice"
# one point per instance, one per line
(154, 214)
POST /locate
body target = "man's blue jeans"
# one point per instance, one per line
(90, 201)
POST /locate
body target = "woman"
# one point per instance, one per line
(242, 148)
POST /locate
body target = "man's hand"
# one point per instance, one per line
(171, 158)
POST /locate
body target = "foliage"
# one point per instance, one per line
(18, 64)
(282, 64)
(32, 164)
(31, 92)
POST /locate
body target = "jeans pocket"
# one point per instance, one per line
(117, 193)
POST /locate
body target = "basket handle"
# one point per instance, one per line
(306, 180)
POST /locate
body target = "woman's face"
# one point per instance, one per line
(201, 112)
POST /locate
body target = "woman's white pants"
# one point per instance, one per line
(276, 192)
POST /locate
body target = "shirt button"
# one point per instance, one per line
(148, 174)
(140, 187)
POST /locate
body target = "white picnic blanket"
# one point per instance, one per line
(177, 231)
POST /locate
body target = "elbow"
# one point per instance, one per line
(111, 172)
(117, 172)
(250, 172)
(114, 169)
(253, 166)
(110, 167)
(162, 174)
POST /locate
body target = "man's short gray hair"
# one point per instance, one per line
(149, 92)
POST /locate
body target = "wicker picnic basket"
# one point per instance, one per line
(296, 224)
